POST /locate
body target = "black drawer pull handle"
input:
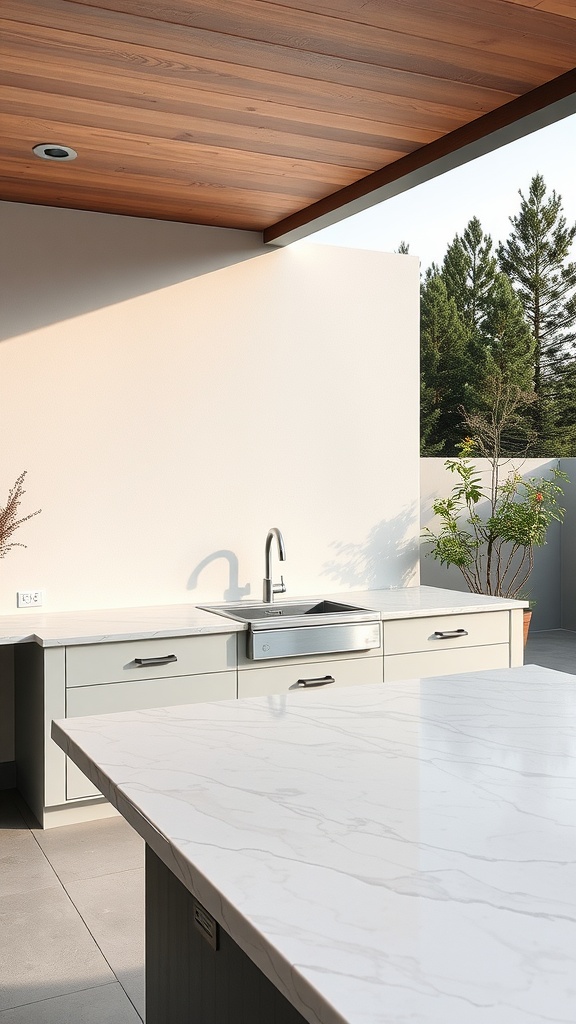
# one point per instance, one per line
(449, 634)
(144, 662)
(316, 681)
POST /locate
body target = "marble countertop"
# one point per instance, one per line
(399, 852)
(51, 629)
(54, 629)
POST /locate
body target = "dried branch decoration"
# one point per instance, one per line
(8, 521)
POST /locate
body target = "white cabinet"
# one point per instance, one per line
(281, 675)
(92, 679)
(308, 676)
(449, 643)
(87, 679)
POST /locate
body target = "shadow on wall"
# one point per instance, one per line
(234, 591)
(56, 264)
(386, 558)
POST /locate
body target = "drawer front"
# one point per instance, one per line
(445, 662)
(92, 664)
(247, 664)
(261, 682)
(442, 632)
(149, 693)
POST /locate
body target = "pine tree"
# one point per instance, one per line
(536, 259)
(509, 365)
(443, 367)
(469, 272)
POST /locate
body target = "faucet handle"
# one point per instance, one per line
(279, 588)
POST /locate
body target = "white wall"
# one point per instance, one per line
(175, 426)
(544, 586)
(173, 391)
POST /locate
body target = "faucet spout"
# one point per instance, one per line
(271, 588)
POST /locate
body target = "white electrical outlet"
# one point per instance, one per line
(29, 598)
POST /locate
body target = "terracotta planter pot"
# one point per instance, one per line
(527, 617)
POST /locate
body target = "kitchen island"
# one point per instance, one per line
(372, 855)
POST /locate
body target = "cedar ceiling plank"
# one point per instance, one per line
(268, 69)
(359, 151)
(549, 94)
(96, 97)
(523, 3)
(109, 202)
(184, 162)
(61, 125)
(400, 34)
(563, 8)
(69, 67)
(427, 120)
(126, 183)
(475, 23)
(410, 54)
(133, 59)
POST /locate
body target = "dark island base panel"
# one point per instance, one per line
(188, 981)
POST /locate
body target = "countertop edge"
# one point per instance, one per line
(68, 628)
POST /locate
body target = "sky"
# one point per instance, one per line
(427, 217)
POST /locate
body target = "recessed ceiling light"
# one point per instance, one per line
(51, 151)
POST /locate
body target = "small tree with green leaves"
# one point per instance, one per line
(494, 553)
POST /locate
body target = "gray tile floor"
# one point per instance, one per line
(553, 648)
(72, 906)
(71, 921)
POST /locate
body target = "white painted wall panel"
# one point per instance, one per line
(168, 417)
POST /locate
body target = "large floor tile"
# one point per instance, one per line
(45, 948)
(113, 908)
(553, 648)
(91, 848)
(23, 866)
(107, 1004)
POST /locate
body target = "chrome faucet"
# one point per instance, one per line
(273, 588)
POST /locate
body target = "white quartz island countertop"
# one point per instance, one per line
(103, 625)
(400, 853)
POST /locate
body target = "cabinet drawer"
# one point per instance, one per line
(245, 663)
(260, 682)
(107, 698)
(442, 632)
(92, 664)
(445, 662)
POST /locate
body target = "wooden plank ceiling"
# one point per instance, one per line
(258, 114)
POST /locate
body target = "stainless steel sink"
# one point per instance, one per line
(294, 628)
(278, 614)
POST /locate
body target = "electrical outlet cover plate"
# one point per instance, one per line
(29, 598)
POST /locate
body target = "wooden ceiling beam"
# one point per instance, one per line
(536, 109)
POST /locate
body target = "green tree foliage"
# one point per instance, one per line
(508, 367)
(443, 366)
(536, 259)
(505, 322)
(498, 341)
(469, 272)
